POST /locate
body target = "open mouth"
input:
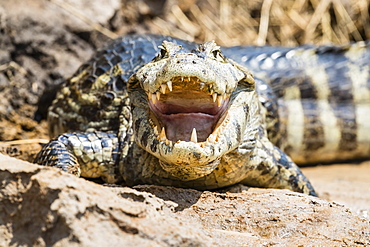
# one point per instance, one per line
(186, 109)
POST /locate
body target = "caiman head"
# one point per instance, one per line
(190, 107)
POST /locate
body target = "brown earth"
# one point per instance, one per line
(42, 206)
(43, 42)
(347, 184)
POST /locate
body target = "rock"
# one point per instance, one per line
(41, 206)
(45, 207)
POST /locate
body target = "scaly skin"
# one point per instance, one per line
(130, 120)
(323, 98)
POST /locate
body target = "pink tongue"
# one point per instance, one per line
(179, 126)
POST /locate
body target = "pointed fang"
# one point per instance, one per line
(194, 137)
(154, 98)
(214, 96)
(163, 88)
(162, 136)
(158, 94)
(219, 101)
(169, 85)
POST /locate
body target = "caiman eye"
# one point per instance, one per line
(217, 53)
(162, 52)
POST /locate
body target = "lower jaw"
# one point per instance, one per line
(188, 173)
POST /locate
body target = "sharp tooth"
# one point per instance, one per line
(158, 94)
(211, 138)
(219, 100)
(194, 137)
(182, 78)
(224, 96)
(214, 95)
(162, 136)
(163, 88)
(154, 98)
(169, 143)
(169, 85)
(155, 129)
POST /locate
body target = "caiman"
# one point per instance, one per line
(152, 109)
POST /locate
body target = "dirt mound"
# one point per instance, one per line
(41, 206)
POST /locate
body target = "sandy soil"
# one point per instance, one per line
(347, 184)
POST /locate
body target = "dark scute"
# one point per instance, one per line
(108, 98)
(115, 60)
(99, 71)
(119, 84)
(89, 112)
(88, 82)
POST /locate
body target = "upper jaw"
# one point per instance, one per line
(189, 70)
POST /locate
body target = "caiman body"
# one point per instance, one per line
(188, 115)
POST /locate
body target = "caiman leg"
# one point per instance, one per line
(269, 167)
(91, 155)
